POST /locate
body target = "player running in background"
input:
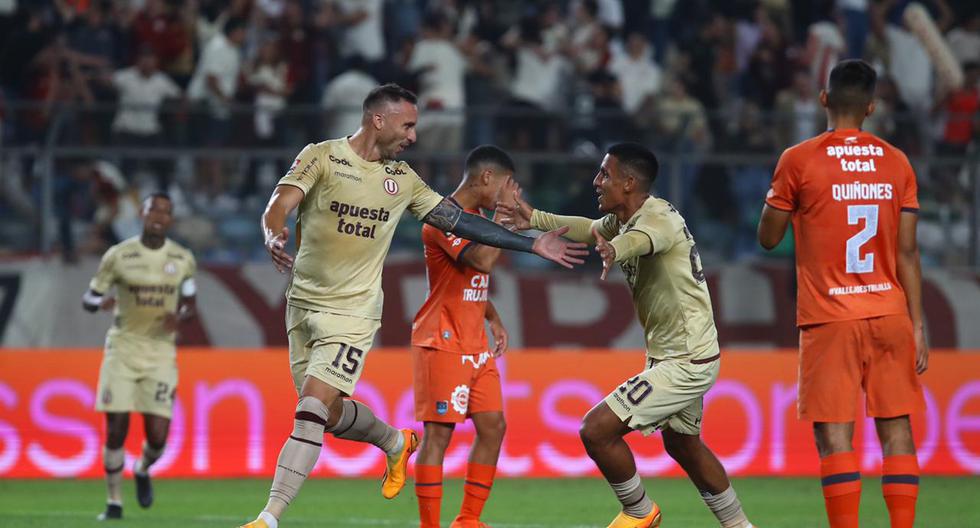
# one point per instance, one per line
(852, 200)
(456, 375)
(657, 253)
(154, 281)
(351, 193)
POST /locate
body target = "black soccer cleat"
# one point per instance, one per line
(112, 512)
(144, 489)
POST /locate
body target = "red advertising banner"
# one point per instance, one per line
(234, 409)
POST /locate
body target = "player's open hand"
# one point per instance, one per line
(606, 251)
(107, 304)
(921, 352)
(553, 247)
(276, 246)
(514, 213)
(500, 338)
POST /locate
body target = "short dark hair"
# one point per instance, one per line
(489, 155)
(388, 93)
(641, 161)
(851, 87)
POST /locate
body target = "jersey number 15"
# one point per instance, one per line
(854, 262)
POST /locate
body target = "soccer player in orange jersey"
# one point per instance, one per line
(455, 374)
(852, 200)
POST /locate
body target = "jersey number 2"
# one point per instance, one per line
(854, 262)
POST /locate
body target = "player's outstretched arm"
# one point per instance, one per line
(521, 216)
(772, 226)
(448, 217)
(284, 199)
(910, 276)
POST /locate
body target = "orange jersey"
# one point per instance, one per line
(451, 319)
(846, 190)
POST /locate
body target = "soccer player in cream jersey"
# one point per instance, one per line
(153, 277)
(651, 242)
(350, 193)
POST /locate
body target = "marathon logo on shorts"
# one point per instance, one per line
(442, 407)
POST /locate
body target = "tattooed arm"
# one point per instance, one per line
(448, 217)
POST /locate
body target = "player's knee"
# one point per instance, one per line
(493, 429)
(437, 439)
(678, 448)
(592, 434)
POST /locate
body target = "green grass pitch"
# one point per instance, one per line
(514, 503)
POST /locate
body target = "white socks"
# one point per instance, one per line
(633, 497)
(726, 508)
(113, 461)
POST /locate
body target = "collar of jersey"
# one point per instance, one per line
(472, 211)
(357, 159)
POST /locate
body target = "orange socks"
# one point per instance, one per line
(900, 486)
(841, 480)
(479, 480)
(428, 489)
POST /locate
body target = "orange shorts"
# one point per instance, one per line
(838, 359)
(450, 387)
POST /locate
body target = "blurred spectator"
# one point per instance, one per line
(611, 122)
(168, 31)
(825, 45)
(964, 39)
(908, 62)
(117, 207)
(141, 90)
(610, 14)
(95, 35)
(297, 50)
(961, 109)
(268, 79)
(342, 99)
(216, 82)
(892, 119)
(441, 68)
(583, 46)
(363, 35)
(639, 76)
(20, 48)
(856, 26)
(798, 113)
(536, 88)
(749, 182)
(680, 127)
(660, 15)
(766, 72)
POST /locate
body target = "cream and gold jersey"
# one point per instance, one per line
(668, 286)
(669, 291)
(148, 285)
(346, 222)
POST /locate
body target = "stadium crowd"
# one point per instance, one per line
(691, 79)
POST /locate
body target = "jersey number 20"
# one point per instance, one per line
(855, 213)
